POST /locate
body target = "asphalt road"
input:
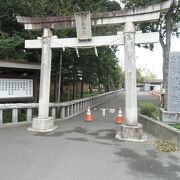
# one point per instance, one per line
(83, 151)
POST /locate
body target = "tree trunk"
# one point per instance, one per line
(166, 51)
(56, 94)
(82, 87)
(73, 90)
(74, 82)
(99, 88)
(62, 85)
(107, 88)
(35, 87)
(90, 88)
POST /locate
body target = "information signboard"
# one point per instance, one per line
(16, 88)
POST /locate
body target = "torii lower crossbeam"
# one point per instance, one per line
(140, 38)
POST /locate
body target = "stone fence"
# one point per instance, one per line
(60, 111)
(160, 129)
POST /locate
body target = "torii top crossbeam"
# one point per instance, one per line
(137, 15)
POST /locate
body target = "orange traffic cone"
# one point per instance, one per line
(119, 118)
(88, 117)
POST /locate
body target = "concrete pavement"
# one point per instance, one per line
(83, 151)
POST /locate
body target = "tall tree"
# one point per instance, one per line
(167, 25)
(12, 36)
(143, 74)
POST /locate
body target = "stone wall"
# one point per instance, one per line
(170, 117)
(160, 130)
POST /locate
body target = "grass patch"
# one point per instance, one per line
(177, 126)
(149, 109)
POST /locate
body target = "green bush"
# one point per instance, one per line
(7, 116)
(21, 115)
(149, 109)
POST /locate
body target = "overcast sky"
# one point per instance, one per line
(151, 60)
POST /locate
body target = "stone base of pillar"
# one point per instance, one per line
(42, 125)
(131, 133)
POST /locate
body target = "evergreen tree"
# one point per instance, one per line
(13, 35)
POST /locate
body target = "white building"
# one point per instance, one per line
(153, 85)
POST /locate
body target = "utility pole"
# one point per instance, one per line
(59, 83)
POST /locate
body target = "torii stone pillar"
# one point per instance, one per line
(131, 130)
(130, 74)
(44, 123)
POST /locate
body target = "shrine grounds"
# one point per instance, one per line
(84, 151)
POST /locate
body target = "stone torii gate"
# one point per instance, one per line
(131, 130)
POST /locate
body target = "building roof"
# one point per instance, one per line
(158, 81)
(19, 65)
(139, 84)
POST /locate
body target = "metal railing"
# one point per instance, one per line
(60, 111)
